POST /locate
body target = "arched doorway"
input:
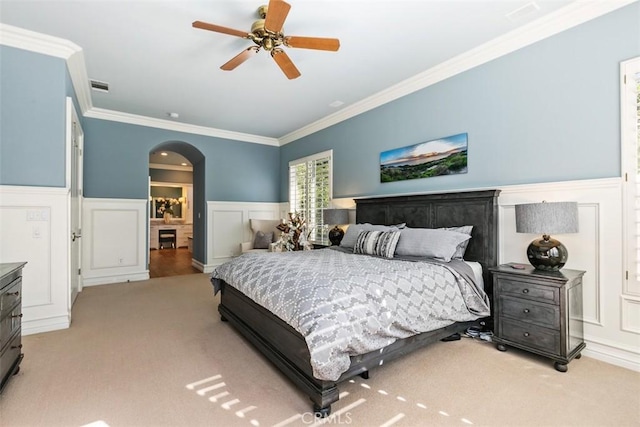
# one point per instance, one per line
(169, 254)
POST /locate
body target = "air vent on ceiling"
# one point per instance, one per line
(523, 11)
(99, 86)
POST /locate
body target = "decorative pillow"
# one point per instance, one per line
(380, 243)
(430, 243)
(354, 230)
(462, 247)
(262, 240)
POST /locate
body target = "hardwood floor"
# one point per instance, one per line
(170, 262)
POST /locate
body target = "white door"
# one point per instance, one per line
(76, 142)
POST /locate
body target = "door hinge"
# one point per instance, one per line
(79, 271)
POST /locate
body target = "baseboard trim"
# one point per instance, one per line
(612, 355)
(216, 262)
(36, 326)
(118, 278)
(208, 268)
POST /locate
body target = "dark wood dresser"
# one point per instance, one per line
(10, 320)
(539, 311)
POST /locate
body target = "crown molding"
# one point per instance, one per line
(74, 56)
(563, 19)
(37, 42)
(117, 116)
(56, 47)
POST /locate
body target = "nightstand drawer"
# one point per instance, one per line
(528, 290)
(10, 296)
(547, 315)
(530, 335)
(10, 324)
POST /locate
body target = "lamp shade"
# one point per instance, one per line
(547, 218)
(335, 216)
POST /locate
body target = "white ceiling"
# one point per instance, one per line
(156, 63)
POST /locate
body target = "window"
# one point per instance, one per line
(631, 171)
(310, 191)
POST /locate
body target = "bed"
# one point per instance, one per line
(287, 348)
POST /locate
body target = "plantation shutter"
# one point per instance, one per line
(310, 191)
(630, 112)
(634, 179)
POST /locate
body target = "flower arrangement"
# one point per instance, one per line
(294, 236)
(163, 205)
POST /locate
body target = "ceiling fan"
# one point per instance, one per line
(267, 34)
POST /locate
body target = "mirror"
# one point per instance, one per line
(166, 198)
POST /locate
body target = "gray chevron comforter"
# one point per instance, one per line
(345, 304)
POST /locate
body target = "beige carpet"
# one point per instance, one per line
(155, 353)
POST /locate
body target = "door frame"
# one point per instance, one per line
(74, 179)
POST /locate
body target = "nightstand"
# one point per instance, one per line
(539, 311)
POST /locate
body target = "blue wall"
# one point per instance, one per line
(33, 88)
(116, 163)
(548, 112)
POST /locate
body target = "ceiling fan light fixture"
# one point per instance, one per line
(267, 34)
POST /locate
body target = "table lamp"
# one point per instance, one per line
(546, 218)
(335, 217)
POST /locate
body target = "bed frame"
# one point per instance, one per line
(287, 349)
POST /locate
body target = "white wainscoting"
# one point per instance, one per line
(612, 315)
(611, 328)
(115, 241)
(228, 226)
(34, 228)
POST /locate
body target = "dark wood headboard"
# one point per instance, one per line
(477, 208)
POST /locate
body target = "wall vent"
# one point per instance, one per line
(99, 86)
(522, 12)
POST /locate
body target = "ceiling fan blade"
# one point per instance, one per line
(276, 14)
(285, 64)
(318, 43)
(219, 29)
(240, 58)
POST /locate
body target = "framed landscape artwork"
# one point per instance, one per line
(444, 156)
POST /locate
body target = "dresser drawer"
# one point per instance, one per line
(529, 335)
(524, 310)
(528, 290)
(9, 357)
(10, 296)
(9, 324)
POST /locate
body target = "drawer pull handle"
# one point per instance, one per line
(525, 291)
(16, 346)
(526, 334)
(526, 310)
(16, 293)
(16, 315)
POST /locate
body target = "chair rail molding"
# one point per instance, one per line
(115, 246)
(228, 226)
(34, 228)
(611, 318)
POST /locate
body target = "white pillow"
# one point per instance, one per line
(429, 243)
(462, 247)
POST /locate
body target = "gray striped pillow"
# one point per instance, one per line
(380, 243)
